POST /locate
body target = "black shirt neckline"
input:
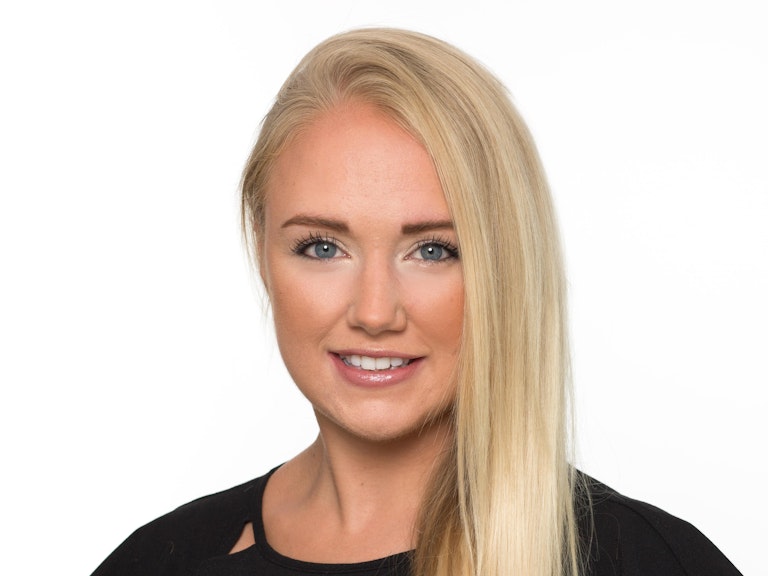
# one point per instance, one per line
(265, 550)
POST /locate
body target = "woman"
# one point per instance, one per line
(399, 217)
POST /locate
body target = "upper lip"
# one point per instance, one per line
(374, 353)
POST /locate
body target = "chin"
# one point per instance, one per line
(389, 431)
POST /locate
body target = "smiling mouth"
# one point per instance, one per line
(373, 364)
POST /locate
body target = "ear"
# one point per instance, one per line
(262, 266)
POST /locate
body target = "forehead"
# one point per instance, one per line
(351, 156)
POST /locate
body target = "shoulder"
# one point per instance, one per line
(177, 542)
(630, 537)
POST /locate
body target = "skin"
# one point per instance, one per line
(359, 256)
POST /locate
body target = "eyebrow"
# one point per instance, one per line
(318, 221)
(427, 226)
(341, 226)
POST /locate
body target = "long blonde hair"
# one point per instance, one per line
(502, 503)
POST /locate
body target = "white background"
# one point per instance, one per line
(137, 368)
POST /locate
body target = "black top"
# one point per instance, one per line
(630, 538)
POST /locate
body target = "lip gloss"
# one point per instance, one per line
(375, 378)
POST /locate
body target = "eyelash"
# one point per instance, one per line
(301, 245)
(448, 246)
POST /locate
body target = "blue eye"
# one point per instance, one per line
(323, 249)
(436, 251)
(431, 252)
(317, 247)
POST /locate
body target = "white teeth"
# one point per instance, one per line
(370, 363)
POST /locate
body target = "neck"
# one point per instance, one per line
(362, 481)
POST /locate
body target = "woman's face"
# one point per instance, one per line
(360, 261)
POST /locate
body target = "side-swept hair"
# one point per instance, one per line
(502, 502)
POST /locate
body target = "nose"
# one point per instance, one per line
(377, 305)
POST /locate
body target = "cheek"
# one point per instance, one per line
(303, 306)
(437, 305)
